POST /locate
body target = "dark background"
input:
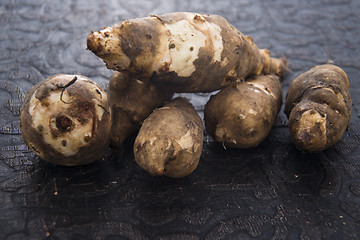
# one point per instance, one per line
(270, 192)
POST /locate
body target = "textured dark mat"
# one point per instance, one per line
(270, 192)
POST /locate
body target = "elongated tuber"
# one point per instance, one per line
(170, 140)
(318, 106)
(184, 52)
(131, 101)
(66, 120)
(242, 115)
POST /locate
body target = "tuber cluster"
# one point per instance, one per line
(69, 120)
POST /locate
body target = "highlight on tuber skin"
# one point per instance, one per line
(242, 115)
(170, 140)
(66, 120)
(318, 106)
(183, 52)
(131, 101)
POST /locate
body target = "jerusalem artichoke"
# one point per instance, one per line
(170, 140)
(183, 52)
(242, 115)
(318, 106)
(66, 120)
(131, 101)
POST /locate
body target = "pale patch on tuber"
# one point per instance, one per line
(185, 43)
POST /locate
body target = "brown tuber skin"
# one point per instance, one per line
(318, 106)
(183, 52)
(66, 120)
(131, 101)
(242, 115)
(170, 140)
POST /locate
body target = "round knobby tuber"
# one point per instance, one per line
(318, 105)
(66, 120)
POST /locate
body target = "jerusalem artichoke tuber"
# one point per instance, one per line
(318, 106)
(184, 52)
(242, 115)
(66, 120)
(170, 140)
(131, 101)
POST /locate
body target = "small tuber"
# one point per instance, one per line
(66, 120)
(131, 101)
(242, 115)
(170, 140)
(318, 106)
